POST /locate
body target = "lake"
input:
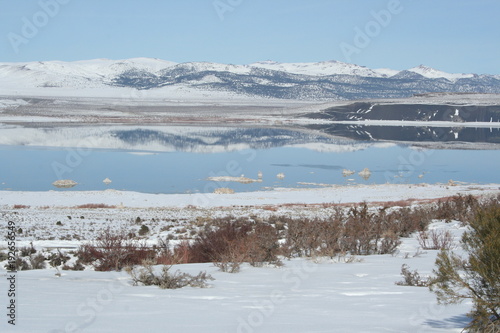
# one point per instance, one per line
(179, 159)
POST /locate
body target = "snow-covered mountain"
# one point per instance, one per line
(332, 80)
(323, 68)
(432, 73)
(77, 74)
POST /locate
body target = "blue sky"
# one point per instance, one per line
(450, 35)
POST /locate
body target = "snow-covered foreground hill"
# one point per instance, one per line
(343, 294)
(302, 296)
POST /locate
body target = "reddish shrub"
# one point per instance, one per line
(232, 241)
(113, 251)
(459, 207)
(216, 241)
(180, 254)
(20, 207)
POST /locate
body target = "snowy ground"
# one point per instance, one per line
(178, 214)
(323, 295)
(302, 296)
(279, 196)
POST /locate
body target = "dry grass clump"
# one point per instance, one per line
(94, 206)
(412, 278)
(20, 207)
(145, 275)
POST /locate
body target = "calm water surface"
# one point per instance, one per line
(180, 160)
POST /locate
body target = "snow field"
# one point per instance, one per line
(340, 294)
(278, 196)
(324, 295)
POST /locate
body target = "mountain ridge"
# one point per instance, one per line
(326, 80)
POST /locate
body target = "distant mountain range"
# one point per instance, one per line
(329, 80)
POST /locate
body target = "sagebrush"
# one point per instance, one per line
(477, 276)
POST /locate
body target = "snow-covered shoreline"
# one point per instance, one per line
(85, 215)
(279, 196)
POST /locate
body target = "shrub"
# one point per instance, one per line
(77, 266)
(143, 230)
(216, 239)
(37, 261)
(229, 265)
(435, 240)
(166, 256)
(229, 242)
(20, 207)
(408, 220)
(57, 259)
(412, 278)
(303, 237)
(367, 233)
(26, 251)
(21, 265)
(389, 243)
(223, 244)
(459, 207)
(25, 264)
(94, 206)
(262, 245)
(476, 277)
(167, 280)
(113, 251)
(359, 232)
